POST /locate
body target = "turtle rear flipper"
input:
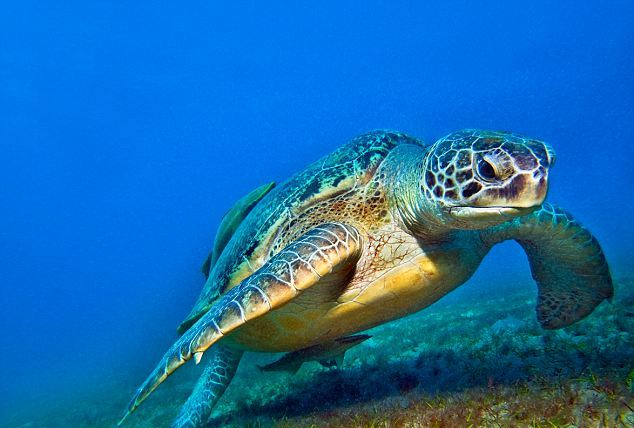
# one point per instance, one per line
(324, 254)
(566, 261)
(211, 385)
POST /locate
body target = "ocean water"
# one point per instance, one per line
(128, 129)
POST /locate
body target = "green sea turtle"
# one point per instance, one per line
(381, 228)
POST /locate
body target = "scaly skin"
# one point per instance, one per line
(326, 253)
(380, 229)
(222, 365)
(566, 261)
(332, 189)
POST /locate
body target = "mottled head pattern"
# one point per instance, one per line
(476, 173)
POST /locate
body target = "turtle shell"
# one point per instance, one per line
(339, 187)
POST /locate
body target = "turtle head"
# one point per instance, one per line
(475, 179)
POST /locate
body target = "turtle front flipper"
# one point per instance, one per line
(566, 261)
(216, 377)
(331, 249)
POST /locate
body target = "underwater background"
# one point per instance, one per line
(128, 129)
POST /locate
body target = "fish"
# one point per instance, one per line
(328, 354)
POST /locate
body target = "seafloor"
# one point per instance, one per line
(476, 360)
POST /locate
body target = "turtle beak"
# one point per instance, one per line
(520, 196)
(526, 190)
(487, 214)
(532, 189)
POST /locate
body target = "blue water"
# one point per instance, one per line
(128, 129)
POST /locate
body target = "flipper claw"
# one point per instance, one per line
(328, 249)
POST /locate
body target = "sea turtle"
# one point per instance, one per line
(379, 229)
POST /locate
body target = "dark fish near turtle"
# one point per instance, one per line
(328, 354)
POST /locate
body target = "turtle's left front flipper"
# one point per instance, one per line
(327, 254)
(566, 261)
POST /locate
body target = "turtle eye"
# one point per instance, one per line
(486, 170)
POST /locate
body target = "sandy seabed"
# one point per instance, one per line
(476, 360)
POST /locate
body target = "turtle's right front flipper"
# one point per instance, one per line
(331, 249)
(566, 261)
